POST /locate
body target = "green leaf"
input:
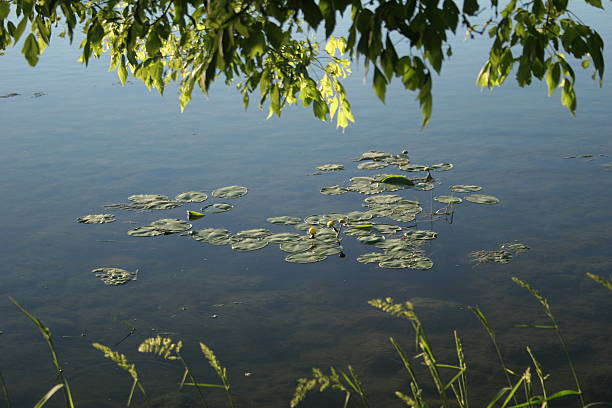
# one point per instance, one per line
(5, 9)
(122, 71)
(568, 97)
(48, 395)
(191, 384)
(31, 50)
(595, 3)
(20, 28)
(379, 84)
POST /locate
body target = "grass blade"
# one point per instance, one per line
(5, 391)
(192, 384)
(46, 333)
(606, 283)
(48, 395)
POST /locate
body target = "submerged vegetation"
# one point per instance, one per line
(445, 384)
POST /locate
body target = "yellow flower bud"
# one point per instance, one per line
(312, 231)
(330, 224)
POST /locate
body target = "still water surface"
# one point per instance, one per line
(89, 142)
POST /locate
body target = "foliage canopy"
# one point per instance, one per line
(273, 47)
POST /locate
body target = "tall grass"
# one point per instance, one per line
(525, 389)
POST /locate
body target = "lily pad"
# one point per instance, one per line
(413, 167)
(462, 188)
(396, 179)
(446, 199)
(145, 231)
(218, 208)
(373, 257)
(407, 263)
(171, 225)
(284, 220)
(516, 247)
(305, 257)
(372, 165)
(327, 250)
(214, 236)
(357, 216)
(230, 192)
(383, 199)
(283, 237)
(249, 244)
(334, 190)
(115, 276)
(303, 244)
(371, 239)
(146, 198)
(256, 233)
(421, 235)
(194, 215)
(482, 199)
(96, 219)
(501, 256)
(192, 197)
(373, 155)
(387, 229)
(442, 166)
(160, 205)
(330, 167)
(424, 186)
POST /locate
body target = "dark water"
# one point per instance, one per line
(89, 142)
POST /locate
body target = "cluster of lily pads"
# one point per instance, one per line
(502, 256)
(319, 236)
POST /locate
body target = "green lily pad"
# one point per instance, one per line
(406, 216)
(396, 179)
(327, 250)
(501, 256)
(303, 244)
(145, 231)
(322, 219)
(160, 205)
(192, 197)
(372, 257)
(516, 247)
(214, 236)
(413, 167)
(334, 190)
(407, 263)
(330, 167)
(249, 244)
(372, 165)
(218, 208)
(256, 233)
(230, 192)
(424, 186)
(482, 199)
(446, 199)
(373, 155)
(302, 226)
(115, 276)
(357, 216)
(171, 225)
(96, 219)
(421, 234)
(283, 237)
(146, 198)
(442, 166)
(387, 229)
(462, 188)
(284, 220)
(305, 257)
(383, 199)
(371, 239)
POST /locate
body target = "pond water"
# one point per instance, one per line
(74, 140)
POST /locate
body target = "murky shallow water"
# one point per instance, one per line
(89, 142)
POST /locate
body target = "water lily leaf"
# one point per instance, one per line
(482, 199)
(303, 244)
(442, 166)
(424, 186)
(145, 231)
(330, 167)
(283, 237)
(114, 276)
(387, 229)
(501, 256)
(194, 215)
(96, 219)
(249, 244)
(373, 155)
(396, 179)
(327, 250)
(421, 234)
(218, 208)
(192, 197)
(407, 263)
(516, 247)
(362, 226)
(230, 192)
(405, 216)
(145, 198)
(334, 190)
(383, 199)
(305, 257)
(372, 165)
(284, 220)
(171, 225)
(399, 160)
(160, 205)
(372, 257)
(446, 199)
(371, 239)
(322, 219)
(303, 226)
(394, 243)
(356, 216)
(214, 236)
(256, 233)
(413, 167)
(462, 188)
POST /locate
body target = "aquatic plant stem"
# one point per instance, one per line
(5, 391)
(188, 372)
